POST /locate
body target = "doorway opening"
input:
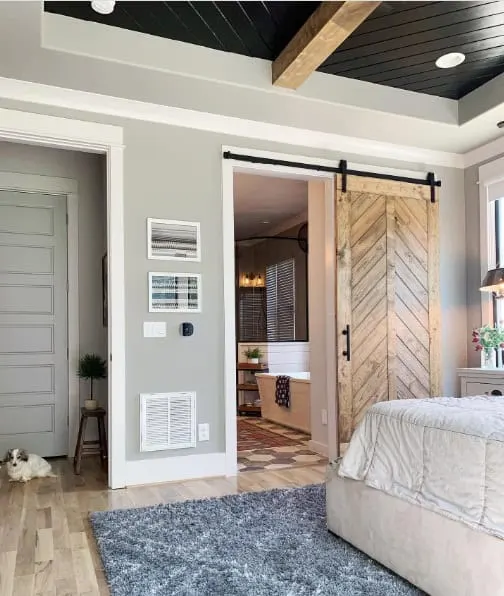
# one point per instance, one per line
(53, 288)
(41, 130)
(280, 300)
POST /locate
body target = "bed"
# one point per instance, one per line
(421, 490)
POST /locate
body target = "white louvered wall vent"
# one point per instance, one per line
(167, 421)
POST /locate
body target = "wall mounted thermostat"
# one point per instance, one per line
(187, 329)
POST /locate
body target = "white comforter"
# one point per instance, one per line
(445, 454)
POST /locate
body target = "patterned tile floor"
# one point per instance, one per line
(255, 433)
(264, 445)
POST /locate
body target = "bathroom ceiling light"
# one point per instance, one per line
(450, 60)
(103, 6)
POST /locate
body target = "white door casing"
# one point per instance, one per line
(70, 133)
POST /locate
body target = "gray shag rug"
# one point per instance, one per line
(272, 543)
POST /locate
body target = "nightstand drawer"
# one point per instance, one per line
(475, 388)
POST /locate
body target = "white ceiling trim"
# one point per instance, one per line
(54, 130)
(292, 222)
(485, 152)
(123, 46)
(48, 95)
(491, 173)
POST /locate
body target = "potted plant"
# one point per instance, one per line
(92, 367)
(253, 355)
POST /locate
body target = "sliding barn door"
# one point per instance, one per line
(387, 295)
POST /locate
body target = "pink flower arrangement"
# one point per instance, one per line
(488, 338)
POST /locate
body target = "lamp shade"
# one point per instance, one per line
(493, 281)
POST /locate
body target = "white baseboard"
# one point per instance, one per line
(318, 447)
(170, 469)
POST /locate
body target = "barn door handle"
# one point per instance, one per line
(346, 331)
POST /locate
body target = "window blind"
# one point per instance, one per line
(281, 301)
(251, 314)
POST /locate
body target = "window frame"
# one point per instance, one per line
(490, 180)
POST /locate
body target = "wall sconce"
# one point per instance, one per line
(494, 282)
(251, 280)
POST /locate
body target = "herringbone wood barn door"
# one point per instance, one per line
(388, 295)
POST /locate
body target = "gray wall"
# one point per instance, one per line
(160, 181)
(90, 173)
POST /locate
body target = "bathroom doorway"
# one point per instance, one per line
(279, 322)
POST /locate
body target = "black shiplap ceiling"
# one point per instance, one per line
(396, 46)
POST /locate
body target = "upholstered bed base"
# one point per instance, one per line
(441, 556)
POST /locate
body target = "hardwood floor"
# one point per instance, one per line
(46, 543)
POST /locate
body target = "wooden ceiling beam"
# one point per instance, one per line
(318, 38)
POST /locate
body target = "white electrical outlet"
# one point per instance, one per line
(324, 416)
(203, 432)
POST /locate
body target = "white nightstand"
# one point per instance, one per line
(481, 381)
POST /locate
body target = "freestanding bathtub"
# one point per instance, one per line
(298, 415)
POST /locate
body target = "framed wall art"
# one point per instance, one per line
(174, 292)
(172, 240)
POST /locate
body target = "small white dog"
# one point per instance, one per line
(22, 466)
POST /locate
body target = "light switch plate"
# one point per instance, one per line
(324, 417)
(154, 329)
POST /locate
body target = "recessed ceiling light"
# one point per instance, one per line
(103, 6)
(265, 222)
(450, 60)
(500, 124)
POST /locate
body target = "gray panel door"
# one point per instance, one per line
(33, 323)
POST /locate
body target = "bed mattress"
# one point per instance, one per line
(445, 454)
